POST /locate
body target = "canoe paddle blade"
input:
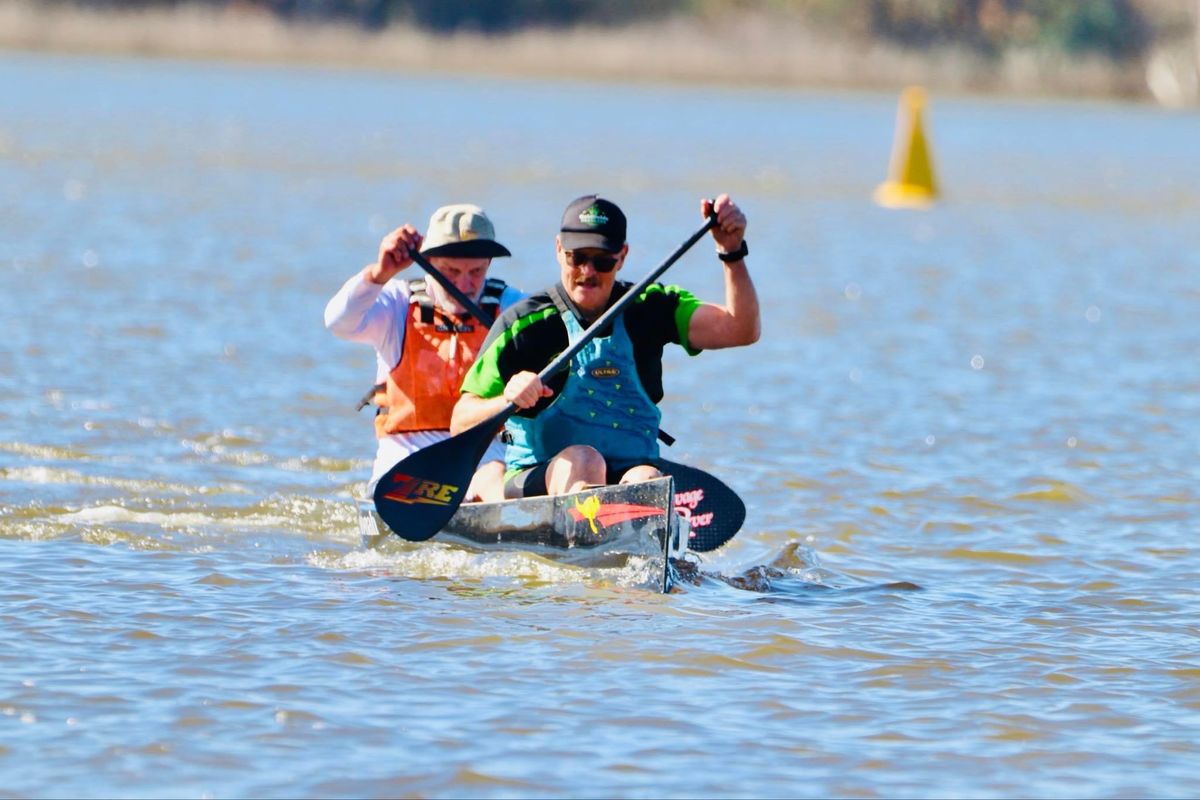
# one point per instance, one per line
(418, 496)
(714, 511)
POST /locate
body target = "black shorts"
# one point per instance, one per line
(531, 481)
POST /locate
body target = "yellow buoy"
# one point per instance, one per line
(910, 183)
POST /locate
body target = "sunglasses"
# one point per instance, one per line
(600, 263)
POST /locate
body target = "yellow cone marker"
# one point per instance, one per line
(910, 182)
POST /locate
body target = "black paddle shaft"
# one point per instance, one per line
(470, 305)
(420, 494)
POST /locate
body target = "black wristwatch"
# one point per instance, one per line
(736, 255)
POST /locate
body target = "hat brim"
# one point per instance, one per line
(474, 248)
(578, 240)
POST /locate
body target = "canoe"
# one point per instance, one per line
(597, 527)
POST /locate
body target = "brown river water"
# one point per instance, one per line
(968, 445)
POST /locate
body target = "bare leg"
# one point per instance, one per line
(574, 469)
(642, 472)
(487, 485)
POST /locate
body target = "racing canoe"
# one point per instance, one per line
(597, 527)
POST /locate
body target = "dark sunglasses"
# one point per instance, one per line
(600, 263)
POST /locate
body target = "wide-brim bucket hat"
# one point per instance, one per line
(462, 230)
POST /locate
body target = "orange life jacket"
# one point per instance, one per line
(421, 390)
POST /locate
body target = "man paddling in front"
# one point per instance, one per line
(424, 339)
(596, 422)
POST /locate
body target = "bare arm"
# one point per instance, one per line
(523, 390)
(471, 409)
(735, 323)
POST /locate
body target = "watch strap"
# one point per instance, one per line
(741, 252)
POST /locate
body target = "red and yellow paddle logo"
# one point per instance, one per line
(408, 489)
(606, 514)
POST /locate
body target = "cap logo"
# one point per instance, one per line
(593, 217)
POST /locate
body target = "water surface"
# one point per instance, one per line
(967, 442)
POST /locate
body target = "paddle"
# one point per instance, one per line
(420, 494)
(472, 308)
(715, 512)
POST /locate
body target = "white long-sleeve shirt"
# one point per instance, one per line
(363, 311)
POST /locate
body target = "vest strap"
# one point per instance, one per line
(564, 307)
(493, 289)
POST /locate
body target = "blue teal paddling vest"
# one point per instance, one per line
(602, 404)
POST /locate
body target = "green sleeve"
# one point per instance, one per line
(483, 379)
(501, 357)
(677, 307)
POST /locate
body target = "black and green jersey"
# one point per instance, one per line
(530, 333)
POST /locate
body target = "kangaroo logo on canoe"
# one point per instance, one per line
(606, 514)
(587, 510)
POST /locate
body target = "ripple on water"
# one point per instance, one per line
(1055, 492)
(44, 452)
(994, 556)
(446, 562)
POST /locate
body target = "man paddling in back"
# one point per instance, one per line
(597, 421)
(425, 340)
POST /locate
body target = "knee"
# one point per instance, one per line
(642, 472)
(487, 484)
(583, 457)
(491, 469)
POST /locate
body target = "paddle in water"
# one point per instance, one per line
(420, 494)
(715, 512)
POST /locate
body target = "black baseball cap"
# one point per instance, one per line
(592, 221)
